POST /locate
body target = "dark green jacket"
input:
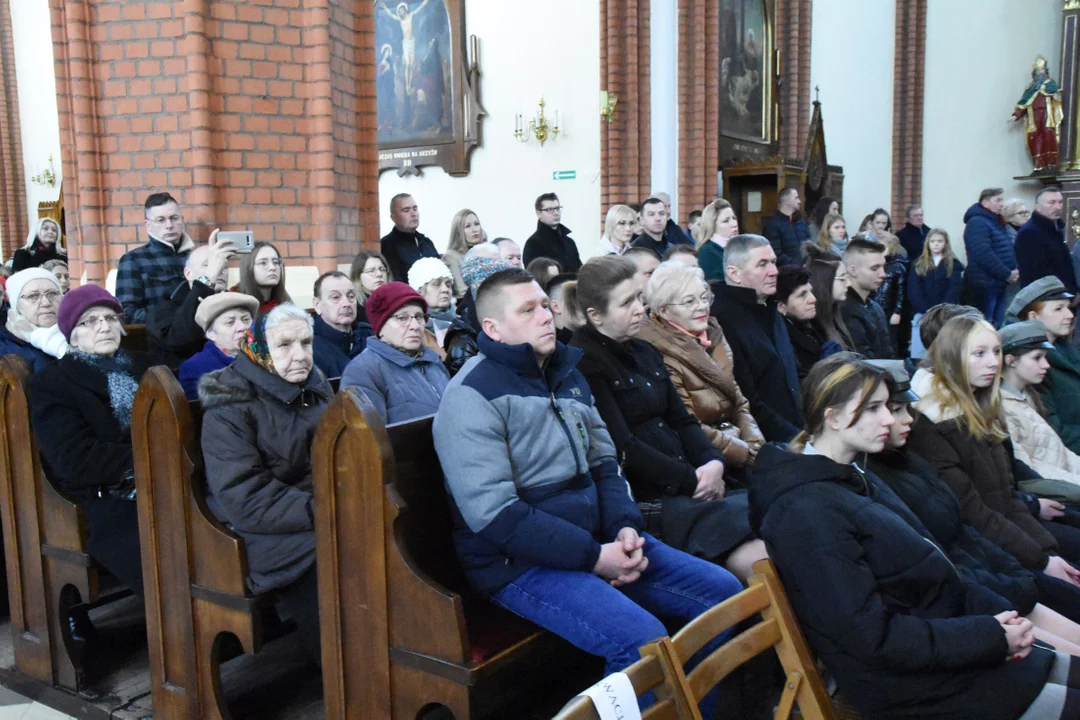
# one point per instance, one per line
(711, 260)
(1061, 393)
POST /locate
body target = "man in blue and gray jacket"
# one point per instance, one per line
(545, 525)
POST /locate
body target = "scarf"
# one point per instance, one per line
(254, 345)
(121, 384)
(702, 337)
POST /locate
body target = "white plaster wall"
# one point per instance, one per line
(852, 60)
(978, 63)
(526, 51)
(36, 79)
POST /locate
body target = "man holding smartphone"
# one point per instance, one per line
(170, 324)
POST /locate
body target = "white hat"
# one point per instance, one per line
(17, 282)
(427, 269)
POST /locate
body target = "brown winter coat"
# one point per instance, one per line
(706, 383)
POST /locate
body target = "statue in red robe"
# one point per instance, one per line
(1041, 106)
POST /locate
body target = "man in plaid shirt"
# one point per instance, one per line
(148, 274)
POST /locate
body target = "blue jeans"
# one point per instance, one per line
(615, 622)
(990, 302)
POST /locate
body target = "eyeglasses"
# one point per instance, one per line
(34, 298)
(375, 271)
(94, 321)
(270, 262)
(406, 319)
(441, 283)
(691, 303)
(557, 208)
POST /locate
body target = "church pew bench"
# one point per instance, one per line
(426, 640)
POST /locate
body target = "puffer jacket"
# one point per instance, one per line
(983, 474)
(1061, 393)
(880, 603)
(892, 295)
(1035, 442)
(869, 327)
(705, 380)
(990, 253)
(460, 343)
(400, 386)
(256, 440)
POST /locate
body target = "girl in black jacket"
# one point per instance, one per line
(978, 560)
(674, 470)
(880, 603)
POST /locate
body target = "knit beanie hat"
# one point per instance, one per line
(78, 301)
(427, 269)
(476, 270)
(17, 282)
(387, 300)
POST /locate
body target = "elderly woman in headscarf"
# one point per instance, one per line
(44, 243)
(30, 330)
(80, 408)
(260, 415)
(460, 341)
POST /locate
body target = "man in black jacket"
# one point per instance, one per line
(1040, 243)
(172, 332)
(913, 234)
(865, 320)
(404, 245)
(338, 336)
(552, 238)
(764, 361)
(786, 230)
(659, 233)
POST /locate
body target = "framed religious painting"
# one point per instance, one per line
(426, 81)
(749, 75)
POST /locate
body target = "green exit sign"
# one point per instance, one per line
(564, 175)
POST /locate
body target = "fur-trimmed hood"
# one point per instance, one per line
(244, 382)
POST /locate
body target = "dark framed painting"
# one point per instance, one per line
(426, 88)
(747, 70)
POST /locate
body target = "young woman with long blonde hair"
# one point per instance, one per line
(718, 225)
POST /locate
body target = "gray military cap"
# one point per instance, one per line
(1027, 335)
(900, 381)
(1045, 288)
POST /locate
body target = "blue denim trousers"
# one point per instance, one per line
(990, 302)
(614, 622)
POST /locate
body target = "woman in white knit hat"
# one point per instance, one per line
(433, 280)
(30, 330)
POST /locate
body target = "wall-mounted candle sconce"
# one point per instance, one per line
(46, 176)
(538, 126)
(608, 101)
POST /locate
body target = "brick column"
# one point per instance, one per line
(908, 91)
(13, 221)
(793, 26)
(699, 102)
(256, 117)
(625, 145)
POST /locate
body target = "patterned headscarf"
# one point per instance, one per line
(476, 270)
(254, 345)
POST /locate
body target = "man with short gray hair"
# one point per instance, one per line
(1040, 242)
(764, 360)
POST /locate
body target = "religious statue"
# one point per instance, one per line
(1041, 105)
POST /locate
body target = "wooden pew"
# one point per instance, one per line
(382, 520)
(135, 338)
(49, 570)
(194, 569)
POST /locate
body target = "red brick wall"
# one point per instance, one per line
(13, 220)
(793, 26)
(908, 90)
(625, 145)
(699, 102)
(242, 110)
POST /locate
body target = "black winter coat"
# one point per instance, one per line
(460, 344)
(868, 326)
(334, 349)
(1041, 251)
(37, 255)
(913, 238)
(880, 603)
(554, 243)
(981, 474)
(402, 249)
(256, 439)
(807, 343)
(765, 366)
(170, 324)
(892, 295)
(976, 558)
(786, 235)
(659, 443)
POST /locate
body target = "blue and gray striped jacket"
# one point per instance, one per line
(529, 466)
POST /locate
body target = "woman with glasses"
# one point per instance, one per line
(618, 231)
(30, 330)
(698, 358)
(677, 474)
(262, 276)
(402, 377)
(369, 272)
(1016, 213)
(81, 412)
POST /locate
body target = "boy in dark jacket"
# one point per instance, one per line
(865, 320)
(545, 524)
(552, 238)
